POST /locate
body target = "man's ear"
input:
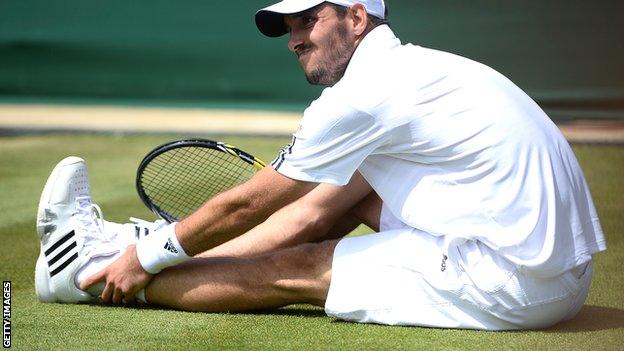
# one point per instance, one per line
(359, 17)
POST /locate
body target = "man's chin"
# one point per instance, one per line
(313, 80)
(318, 77)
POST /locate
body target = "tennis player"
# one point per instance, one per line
(483, 215)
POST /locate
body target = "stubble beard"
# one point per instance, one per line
(332, 67)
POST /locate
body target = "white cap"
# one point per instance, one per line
(270, 20)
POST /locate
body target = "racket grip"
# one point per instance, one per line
(160, 250)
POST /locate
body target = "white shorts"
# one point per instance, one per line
(397, 277)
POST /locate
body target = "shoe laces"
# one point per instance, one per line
(90, 220)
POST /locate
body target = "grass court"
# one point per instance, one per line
(25, 163)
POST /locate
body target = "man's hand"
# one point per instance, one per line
(124, 278)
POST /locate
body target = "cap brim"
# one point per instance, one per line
(270, 20)
(270, 23)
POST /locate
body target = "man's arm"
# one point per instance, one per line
(326, 212)
(236, 211)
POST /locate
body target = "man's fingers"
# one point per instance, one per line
(107, 293)
(117, 296)
(128, 299)
(131, 295)
(92, 280)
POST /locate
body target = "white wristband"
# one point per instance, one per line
(160, 250)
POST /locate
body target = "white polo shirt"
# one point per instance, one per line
(453, 148)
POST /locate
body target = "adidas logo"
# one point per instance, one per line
(169, 247)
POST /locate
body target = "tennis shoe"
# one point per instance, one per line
(125, 234)
(70, 229)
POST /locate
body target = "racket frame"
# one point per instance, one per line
(183, 143)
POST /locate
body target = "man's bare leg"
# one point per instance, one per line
(299, 274)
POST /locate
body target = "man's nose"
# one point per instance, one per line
(294, 40)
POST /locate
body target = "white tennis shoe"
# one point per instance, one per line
(125, 234)
(71, 235)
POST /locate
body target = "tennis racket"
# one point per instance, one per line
(176, 178)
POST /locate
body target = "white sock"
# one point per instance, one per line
(95, 265)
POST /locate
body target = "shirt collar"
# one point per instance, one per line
(377, 40)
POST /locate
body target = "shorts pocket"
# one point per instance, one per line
(491, 275)
(495, 284)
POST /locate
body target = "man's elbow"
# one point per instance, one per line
(245, 211)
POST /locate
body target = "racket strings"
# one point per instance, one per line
(180, 180)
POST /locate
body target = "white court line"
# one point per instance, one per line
(146, 119)
(214, 121)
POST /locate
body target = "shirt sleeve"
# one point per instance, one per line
(331, 143)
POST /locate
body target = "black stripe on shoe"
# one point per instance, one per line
(64, 265)
(62, 253)
(59, 243)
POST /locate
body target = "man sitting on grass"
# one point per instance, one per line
(483, 215)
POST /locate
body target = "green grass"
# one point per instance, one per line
(26, 161)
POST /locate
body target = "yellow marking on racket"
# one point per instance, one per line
(257, 164)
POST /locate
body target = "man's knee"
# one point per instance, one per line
(366, 212)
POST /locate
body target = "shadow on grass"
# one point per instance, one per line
(295, 311)
(592, 318)
(589, 319)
